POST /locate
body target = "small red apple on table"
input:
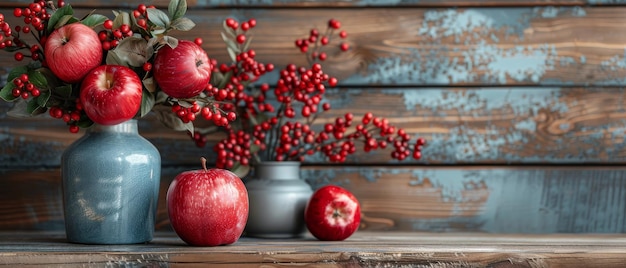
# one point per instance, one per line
(182, 72)
(332, 213)
(72, 51)
(111, 94)
(208, 207)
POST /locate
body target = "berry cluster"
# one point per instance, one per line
(110, 37)
(268, 127)
(24, 88)
(70, 117)
(240, 29)
(318, 41)
(35, 17)
(141, 15)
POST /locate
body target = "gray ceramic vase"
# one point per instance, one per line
(111, 180)
(278, 198)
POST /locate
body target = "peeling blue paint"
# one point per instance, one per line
(518, 201)
(472, 27)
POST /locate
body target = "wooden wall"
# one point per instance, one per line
(522, 104)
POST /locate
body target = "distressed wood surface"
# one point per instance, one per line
(419, 46)
(363, 249)
(429, 199)
(462, 126)
(331, 3)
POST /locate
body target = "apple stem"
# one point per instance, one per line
(203, 160)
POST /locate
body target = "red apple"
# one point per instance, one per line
(208, 207)
(182, 72)
(332, 213)
(72, 51)
(111, 94)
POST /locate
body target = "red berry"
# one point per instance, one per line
(326, 106)
(241, 38)
(74, 128)
(333, 23)
(142, 23)
(344, 46)
(108, 24)
(19, 56)
(17, 12)
(324, 40)
(230, 22)
(142, 8)
(252, 23)
(245, 26)
(198, 41)
(125, 28)
(343, 34)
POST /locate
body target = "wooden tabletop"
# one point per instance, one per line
(364, 249)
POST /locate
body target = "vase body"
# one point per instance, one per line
(111, 180)
(278, 198)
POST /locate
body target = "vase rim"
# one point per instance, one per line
(128, 126)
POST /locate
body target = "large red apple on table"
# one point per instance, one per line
(72, 51)
(183, 71)
(111, 94)
(332, 213)
(207, 207)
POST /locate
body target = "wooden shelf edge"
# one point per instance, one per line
(363, 249)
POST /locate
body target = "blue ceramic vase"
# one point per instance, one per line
(111, 180)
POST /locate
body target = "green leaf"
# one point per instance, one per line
(149, 84)
(131, 51)
(64, 91)
(246, 44)
(229, 31)
(240, 170)
(147, 102)
(183, 24)
(177, 9)
(121, 18)
(114, 59)
(38, 79)
(158, 18)
(6, 93)
(161, 97)
(42, 100)
(57, 15)
(67, 19)
(84, 122)
(226, 79)
(16, 72)
(170, 41)
(33, 108)
(94, 20)
(172, 121)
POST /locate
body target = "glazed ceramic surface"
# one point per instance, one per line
(278, 198)
(111, 182)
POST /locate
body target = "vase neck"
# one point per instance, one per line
(129, 126)
(286, 170)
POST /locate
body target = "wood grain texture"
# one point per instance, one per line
(432, 199)
(363, 249)
(462, 126)
(421, 46)
(330, 3)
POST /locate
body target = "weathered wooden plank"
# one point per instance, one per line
(363, 249)
(330, 3)
(462, 126)
(409, 46)
(534, 199)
